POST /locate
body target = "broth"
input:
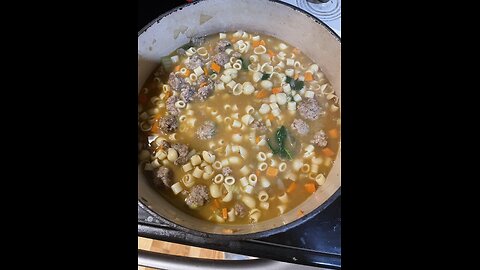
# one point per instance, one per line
(267, 112)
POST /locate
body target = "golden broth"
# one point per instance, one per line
(223, 108)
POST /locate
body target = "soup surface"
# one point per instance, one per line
(237, 127)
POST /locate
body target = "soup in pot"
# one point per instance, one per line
(237, 127)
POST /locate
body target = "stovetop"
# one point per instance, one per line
(316, 242)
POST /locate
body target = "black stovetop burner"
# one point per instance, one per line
(316, 242)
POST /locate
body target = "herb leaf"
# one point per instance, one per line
(298, 85)
(281, 135)
(245, 63)
(266, 76)
(288, 79)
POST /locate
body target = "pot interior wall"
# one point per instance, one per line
(263, 16)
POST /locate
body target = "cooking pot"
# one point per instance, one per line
(286, 22)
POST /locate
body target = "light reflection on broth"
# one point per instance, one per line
(238, 127)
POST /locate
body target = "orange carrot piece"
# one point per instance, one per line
(272, 54)
(271, 117)
(262, 94)
(276, 90)
(177, 68)
(271, 171)
(333, 133)
(215, 67)
(155, 127)
(310, 187)
(308, 76)
(262, 42)
(256, 44)
(224, 213)
(257, 139)
(216, 203)
(202, 85)
(291, 188)
(187, 73)
(328, 152)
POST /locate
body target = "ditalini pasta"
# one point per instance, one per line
(239, 127)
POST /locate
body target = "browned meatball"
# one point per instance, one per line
(170, 104)
(221, 58)
(239, 209)
(300, 126)
(197, 197)
(320, 139)
(194, 61)
(176, 82)
(309, 109)
(206, 130)
(182, 150)
(168, 123)
(187, 93)
(204, 92)
(163, 176)
(222, 45)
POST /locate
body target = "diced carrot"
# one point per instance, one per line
(271, 117)
(177, 68)
(291, 188)
(257, 139)
(142, 98)
(262, 42)
(215, 67)
(187, 73)
(308, 76)
(256, 44)
(333, 133)
(168, 94)
(224, 213)
(276, 90)
(272, 54)
(216, 203)
(205, 70)
(310, 187)
(202, 85)
(155, 127)
(271, 171)
(262, 94)
(328, 152)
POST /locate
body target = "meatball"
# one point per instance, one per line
(320, 139)
(197, 197)
(194, 61)
(239, 209)
(168, 123)
(182, 150)
(226, 171)
(309, 109)
(221, 58)
(187, 93)
(206, 130)
(164, 176)
(176, 82)
(222, 45)
(170, 104)
(197, 41)
(300, 126)
(259, 125)
(204, 92)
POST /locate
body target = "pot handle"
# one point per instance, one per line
(173, 262)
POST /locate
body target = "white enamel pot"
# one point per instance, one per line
(286, 22)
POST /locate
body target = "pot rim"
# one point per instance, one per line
(260, 234)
